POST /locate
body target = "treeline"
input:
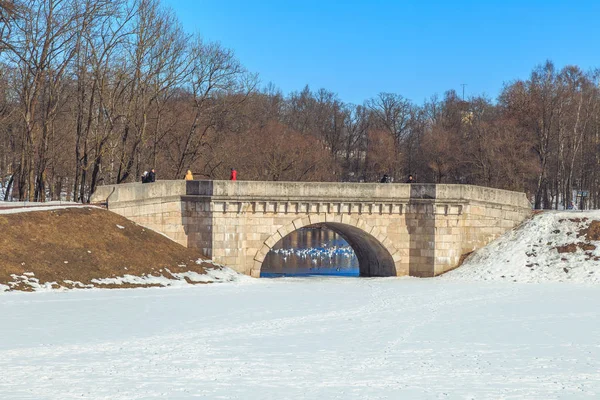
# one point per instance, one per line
(96, 91)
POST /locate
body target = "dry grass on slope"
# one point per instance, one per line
(586, 235)
(81, 244)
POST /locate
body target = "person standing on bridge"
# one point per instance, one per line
(189, 176)
(233, 175)
(411, 179)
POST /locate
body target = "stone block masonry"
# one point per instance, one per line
(394, 229)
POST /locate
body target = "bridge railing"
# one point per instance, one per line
(322, 191)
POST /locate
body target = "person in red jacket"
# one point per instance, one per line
(233, 175)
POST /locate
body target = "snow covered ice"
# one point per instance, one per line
(304, 338)
(499, 327)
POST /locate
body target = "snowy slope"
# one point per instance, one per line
(552, 246)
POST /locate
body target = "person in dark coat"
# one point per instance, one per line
(145, 177)
(385, 179)
(411, 179)
(152, 175)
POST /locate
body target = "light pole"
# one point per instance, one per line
(463, 90)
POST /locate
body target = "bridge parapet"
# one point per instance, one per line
(395, 229)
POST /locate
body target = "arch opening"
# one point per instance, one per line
(310, 250)
(372, 257)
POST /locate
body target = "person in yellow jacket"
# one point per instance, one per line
(189, 176)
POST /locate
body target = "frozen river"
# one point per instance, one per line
(304, 338)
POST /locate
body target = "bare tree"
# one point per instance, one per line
(41, 45)
(218, 84)
(392, 113)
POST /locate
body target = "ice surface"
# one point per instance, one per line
(304, 338)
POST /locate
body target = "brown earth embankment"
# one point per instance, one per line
(72, 247)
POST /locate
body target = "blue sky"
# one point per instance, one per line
(415, 48)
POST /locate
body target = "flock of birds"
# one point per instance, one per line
(317, 253)
(326, 259)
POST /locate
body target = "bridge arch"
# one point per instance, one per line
(377, 255)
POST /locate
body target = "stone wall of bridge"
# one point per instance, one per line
(395, 229)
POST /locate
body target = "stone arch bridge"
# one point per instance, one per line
(394, 229)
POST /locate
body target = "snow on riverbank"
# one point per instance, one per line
(167, 278)
(552, 246)
(304, 338)
(14, 207)
(222, 274)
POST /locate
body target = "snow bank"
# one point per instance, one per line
(8, 207)
(552, 246)
(168, 278)
(175, 278)
(29, 279)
